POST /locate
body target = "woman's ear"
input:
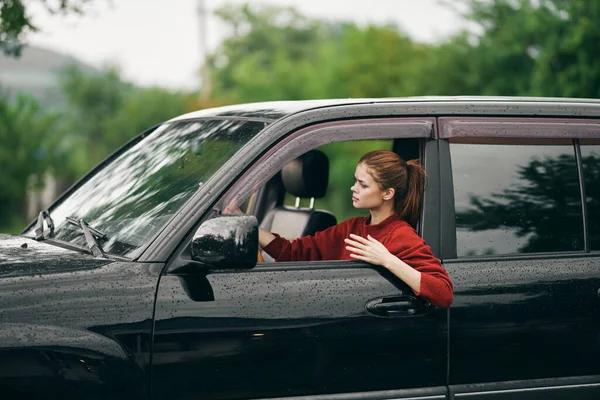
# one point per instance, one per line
(389, 194)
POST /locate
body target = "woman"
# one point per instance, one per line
(392, 190)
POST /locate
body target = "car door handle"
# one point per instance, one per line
(393, 306)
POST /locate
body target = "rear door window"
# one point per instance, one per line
(516, 196)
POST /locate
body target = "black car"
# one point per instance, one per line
(134, 285)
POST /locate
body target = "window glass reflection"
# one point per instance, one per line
(516, 198)
(590, 158)
(134, 195)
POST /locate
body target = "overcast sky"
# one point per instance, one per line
(156, 42)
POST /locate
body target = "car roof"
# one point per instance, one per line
(279, 109)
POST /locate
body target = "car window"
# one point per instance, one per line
(379, 132)
(519, 196)
(590, 159)
(343, 157)
(134, 195)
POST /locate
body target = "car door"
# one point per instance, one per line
(525, 322)
(292, 329)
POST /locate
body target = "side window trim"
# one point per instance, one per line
(522, 256)
(486, 127)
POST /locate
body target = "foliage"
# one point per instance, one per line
(15, 21)
(268, 56)
(92, 100)
(277, 54)
(105, 112)
(30, 146)
(518, 47)
(530, 48)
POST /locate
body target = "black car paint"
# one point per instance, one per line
(81, 327)
(73, 326)
(525, 319)
(313, 321)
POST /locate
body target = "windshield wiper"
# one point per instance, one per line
(89, 233)
(44, 215)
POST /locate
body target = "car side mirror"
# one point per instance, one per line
(227, 242)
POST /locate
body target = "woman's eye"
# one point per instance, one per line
(362, 185)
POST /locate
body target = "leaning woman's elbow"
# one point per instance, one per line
(437, 290)
(444, 300)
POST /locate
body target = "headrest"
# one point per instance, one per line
(307, 176)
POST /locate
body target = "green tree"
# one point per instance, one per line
(568, 64)
(31, 140)
(278, 54)
(522, 48)
(92, 100)
(105, 112)
(16, 24)
(140, 110)
(268, 55)
(377, 61)
(451, 69)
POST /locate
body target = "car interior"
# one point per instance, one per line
(280, 205)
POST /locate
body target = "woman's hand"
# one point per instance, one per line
(369, 250)
(372, 251)
(232, 208)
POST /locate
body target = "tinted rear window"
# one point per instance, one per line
(516, 198)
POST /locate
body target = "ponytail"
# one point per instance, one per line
(408, 206)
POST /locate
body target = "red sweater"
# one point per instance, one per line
(394, 233)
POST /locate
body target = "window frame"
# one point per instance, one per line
(465, 129)
(583, 192)
(314, 136)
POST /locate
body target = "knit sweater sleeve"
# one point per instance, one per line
(436, 285)
(324, 245)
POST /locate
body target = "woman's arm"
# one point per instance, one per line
(306, 248)
(264, 237)
(281, 249)
(320, 246)
(402, 270)
(427, 278)
(372, 251)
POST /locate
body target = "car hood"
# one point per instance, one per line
(20, 255)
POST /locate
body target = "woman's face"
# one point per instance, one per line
(366, 193)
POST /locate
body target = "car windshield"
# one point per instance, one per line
(134, 195)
